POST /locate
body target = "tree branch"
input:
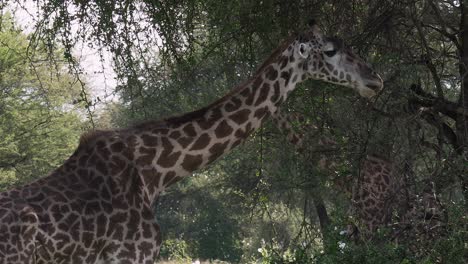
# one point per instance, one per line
(430, 65)
(441, 105)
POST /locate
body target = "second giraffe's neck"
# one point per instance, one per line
(195, 139)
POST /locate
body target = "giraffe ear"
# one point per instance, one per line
(303, 50)
(314, 27)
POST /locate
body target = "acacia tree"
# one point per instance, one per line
(37, 127)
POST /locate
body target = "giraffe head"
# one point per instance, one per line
(329, 59)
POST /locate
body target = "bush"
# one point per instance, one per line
(175, 249)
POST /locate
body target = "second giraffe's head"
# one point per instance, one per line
(329, 59)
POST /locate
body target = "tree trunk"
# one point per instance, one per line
(324, 220)
(321, 212)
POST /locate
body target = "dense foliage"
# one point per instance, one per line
(39, 125)
(264, 202)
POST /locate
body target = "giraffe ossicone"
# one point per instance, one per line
(97, 206)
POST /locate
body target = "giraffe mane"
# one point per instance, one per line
(87, 137)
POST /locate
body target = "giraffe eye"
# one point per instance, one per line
(330, 53)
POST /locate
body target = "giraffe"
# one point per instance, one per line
(381, 197)
(375, 193)
(96, 207)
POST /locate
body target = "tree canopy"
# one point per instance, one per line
(39, 124)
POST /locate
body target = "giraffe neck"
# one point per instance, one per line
(193, 140)
(172, 149)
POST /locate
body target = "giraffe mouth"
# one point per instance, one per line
(369, 89)
(374, 87)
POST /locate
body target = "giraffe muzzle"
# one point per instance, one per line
(374, 87)
(375, 84)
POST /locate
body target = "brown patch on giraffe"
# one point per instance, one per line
(294, 79)
(246, 92)
(62, 239)
(148, 154)
(201, 142)
(243, 133)
(213, 116)
(171, 178)
(83, 160)
(241, 116)
(263, 94)
(271, 73)
(151, 176)
(146, 248)
(69, 250)
(103, 151)
(133, 223)
(189, 130)
(276, 92)
(129, 150)
(106, 206)
(306, 66)
(280, 101)
(87, 239)
(175, 134)
(217, 150)
(117, 165)
(283, 61)
(261, 112)
(286, 75)
(192, 162)
(249, 101)
(149, 140)
(348, 77)
(101, 167)
(256, 84)
(117, 146)
(233, 104)
(236, 143)
(127, 252)
(223, 129)
(146, 230)
(168, 158)
(367, 203)
(185, 141)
